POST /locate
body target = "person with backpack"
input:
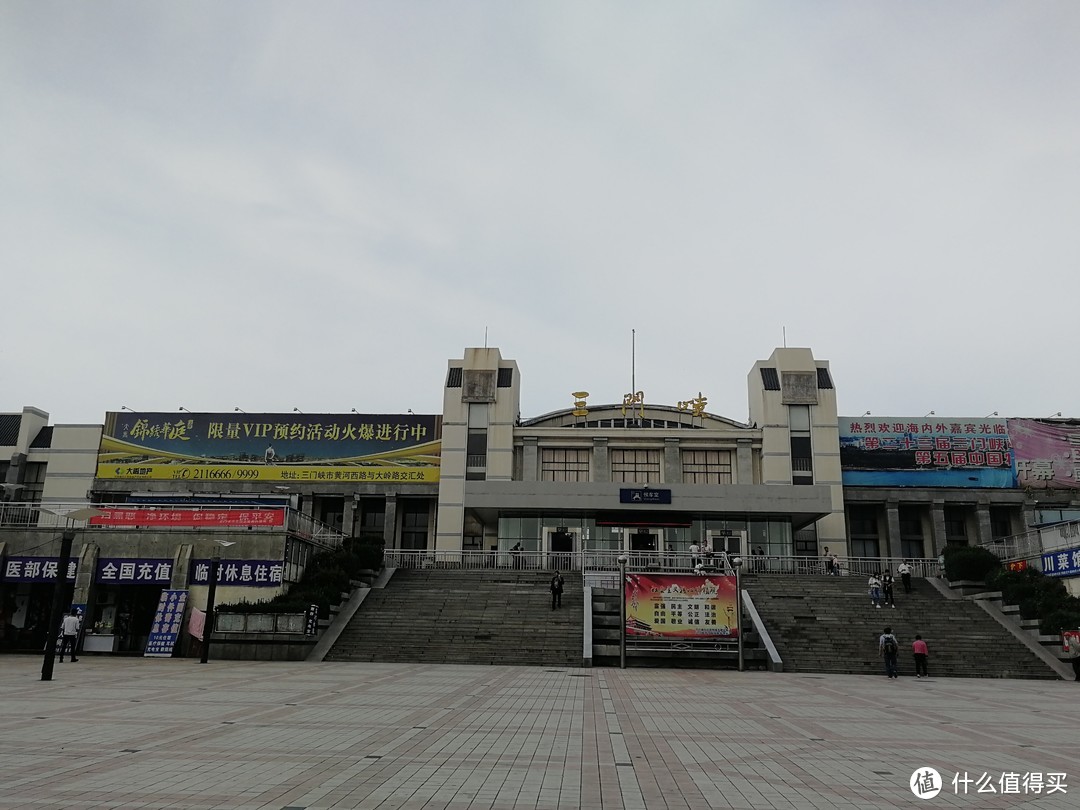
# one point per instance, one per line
(918, 649)
(889, 649)
(556, 590)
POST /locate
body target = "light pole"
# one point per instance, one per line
(211, 593)
(60, 589)
(736, 563)
(623, 559)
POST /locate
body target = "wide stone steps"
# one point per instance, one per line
(479, 617)
(826, 624)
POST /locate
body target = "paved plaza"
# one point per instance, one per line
(145, 733)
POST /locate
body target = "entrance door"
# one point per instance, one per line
(561, 545)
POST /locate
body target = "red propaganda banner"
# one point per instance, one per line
(1017, 565)
(686, 606)
(189, 518)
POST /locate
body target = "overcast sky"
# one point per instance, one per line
(278, 205)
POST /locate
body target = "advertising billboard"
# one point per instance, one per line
(1047, 453)
(301, 448)
(680, 606)
(927, 452)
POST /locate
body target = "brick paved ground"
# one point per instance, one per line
(136, 733)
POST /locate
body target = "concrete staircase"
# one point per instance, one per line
(466, 617)
(827, 624)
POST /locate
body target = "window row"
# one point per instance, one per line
(636, 466)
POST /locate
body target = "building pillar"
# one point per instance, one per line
(744, 463)
(983, 531)
(892, 529)
(672, 461)
(937, 517)
(529, 459)
(601, 460)
(390, 522)
(84, 573)
(348, 517)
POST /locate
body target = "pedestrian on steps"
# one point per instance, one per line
(556, 590)
(904, 570)
(887, 590)
(918, 649)
(874, 589)
(889, 649)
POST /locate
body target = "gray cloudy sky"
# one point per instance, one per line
(277, 205)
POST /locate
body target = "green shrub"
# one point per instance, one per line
(1065, 616)
(970, 562)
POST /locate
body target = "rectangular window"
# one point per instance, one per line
(33, 483)
(863, 528)
(414, 524)
(911, 532)
(561, 464)
(956, 525)
(635, 466)
(706, 466)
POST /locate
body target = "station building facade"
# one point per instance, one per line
(794, 479)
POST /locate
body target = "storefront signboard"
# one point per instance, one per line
(1064, 562)
(133, 571)
(311, 626)
(680, 606)
(248, 573)
(36, 569)
(325, 448)
(189, 518)
(167, 622)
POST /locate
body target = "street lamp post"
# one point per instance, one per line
(60, 590)
(211, 594)
(623, 559)
(736, 563)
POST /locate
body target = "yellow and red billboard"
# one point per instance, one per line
(682, 606)
(323, 448)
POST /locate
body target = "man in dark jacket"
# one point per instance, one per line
(556, 590)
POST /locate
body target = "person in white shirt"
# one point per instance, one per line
(904, 570)
(695, 550)
(69, 627)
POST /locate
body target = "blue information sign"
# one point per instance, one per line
(644, 496)
(1063, 563)
(167, 622)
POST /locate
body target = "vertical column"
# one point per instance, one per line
(892, 529)
(390, 521)
(529, 456)
(744, 463)
(601, 461)
(937, 515)
(984, 533)
(672, 461)
(348, 518)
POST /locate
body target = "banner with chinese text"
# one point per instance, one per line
(188, 518)
(1061, 563)
(270, 447)
(36, 569)
(166, 627)
(1047, 454)
(927, 452)
(680, 606)
(128, 571)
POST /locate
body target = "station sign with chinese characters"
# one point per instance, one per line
(901, 451)
(324, 448)
(128, 571)
(680, 606)
(246, 573)
(1064, 562)
(639, 495)
(36, 569)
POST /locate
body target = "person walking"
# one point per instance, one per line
(887, 590)
(556, 590)
(835, 564)
(889, 649)
(828, 561)
(695, 550)
(874, 585)
(904, 570)
(69, 628)
(918, 649)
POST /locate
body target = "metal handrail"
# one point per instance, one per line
(594, 562)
